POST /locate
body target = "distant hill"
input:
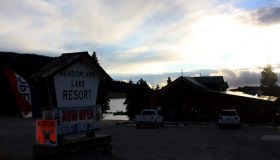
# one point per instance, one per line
(24, 64)
(116, 95)
(119, 86)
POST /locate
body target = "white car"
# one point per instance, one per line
(229, 117)
(148, 117)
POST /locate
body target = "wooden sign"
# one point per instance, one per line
(76, 86)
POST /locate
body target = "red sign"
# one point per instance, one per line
(46, 132)
(78, 120)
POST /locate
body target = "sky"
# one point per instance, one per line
(151, 39)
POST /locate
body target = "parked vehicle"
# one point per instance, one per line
(149, 117)
(229, 117)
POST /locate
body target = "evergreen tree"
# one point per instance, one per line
(157, 88)
(138, 97)
(94, 58)
(268, 82)
(102, 97)
(169, 80)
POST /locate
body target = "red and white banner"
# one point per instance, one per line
(21, 91)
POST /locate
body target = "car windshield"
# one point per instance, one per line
(228, 113)
(148, 113)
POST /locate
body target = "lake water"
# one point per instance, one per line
(116, 105)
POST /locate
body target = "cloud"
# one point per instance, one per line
(134, 52)
(269, 15)
(240, 77)
(108, 21)
(211, 38)
(26, 25)
(66, 23)
(144, 36)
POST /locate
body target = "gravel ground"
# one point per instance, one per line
(203, 142)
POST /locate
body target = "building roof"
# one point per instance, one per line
(216, 83)
(209, 79)
(198, 86)
(195, 83)
(199, 82)
(187, 80)
(63, 61)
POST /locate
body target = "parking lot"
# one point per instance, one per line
(204, 142)
(193, 141)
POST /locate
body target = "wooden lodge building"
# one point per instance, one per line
(202, 98)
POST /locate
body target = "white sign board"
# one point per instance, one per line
(76, 86)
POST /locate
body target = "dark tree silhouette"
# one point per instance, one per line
(102, 97)
(157, 88)
(94, 58)
(138, 97)
(169, 80)
(268, 82)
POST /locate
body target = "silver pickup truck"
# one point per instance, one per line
(148, 117)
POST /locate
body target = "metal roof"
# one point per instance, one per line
(242, 94)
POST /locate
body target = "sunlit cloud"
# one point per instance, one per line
(147, 36)
(227, 37)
